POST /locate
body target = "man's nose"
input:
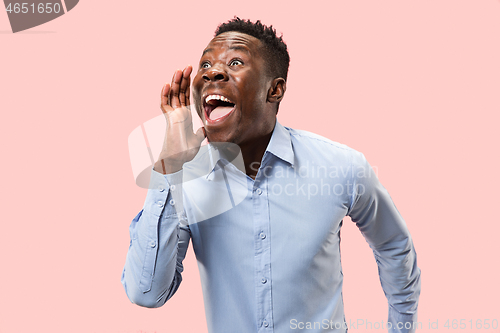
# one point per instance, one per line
(215, 74)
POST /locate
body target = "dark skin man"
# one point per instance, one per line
(235, 97)
(267, 240)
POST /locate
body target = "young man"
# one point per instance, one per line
(266, 231)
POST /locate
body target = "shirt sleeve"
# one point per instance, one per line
(159, 238)
(376, 216)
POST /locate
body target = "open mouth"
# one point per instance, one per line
(217, 107)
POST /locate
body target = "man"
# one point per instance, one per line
(270, 260)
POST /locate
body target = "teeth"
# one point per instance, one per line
(218, 97)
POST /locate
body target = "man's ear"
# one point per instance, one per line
(277, 90)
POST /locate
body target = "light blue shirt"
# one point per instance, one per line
(268, 249)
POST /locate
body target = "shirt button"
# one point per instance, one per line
(172, 202)
(172, 187)
(160, 204)
(265, 323)
(262, 235)
(152, 243)
(258, 191)
(161, 188)
(264, 280)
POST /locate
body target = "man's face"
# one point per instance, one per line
(230, 90)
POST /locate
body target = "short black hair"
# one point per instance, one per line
(277, 57)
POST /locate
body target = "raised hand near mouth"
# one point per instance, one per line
(181, 144)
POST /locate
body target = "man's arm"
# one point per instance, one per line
(159, 235)
(158, 243)
(384, 229)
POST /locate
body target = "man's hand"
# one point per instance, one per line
(181, 144)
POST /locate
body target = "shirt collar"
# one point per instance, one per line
(215, 159)
(280, 146)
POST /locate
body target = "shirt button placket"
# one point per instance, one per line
(262, 257)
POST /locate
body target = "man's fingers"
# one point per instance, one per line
(177, 94)
(188, 93)
(173, 97)
(184, 87)
(164, 97)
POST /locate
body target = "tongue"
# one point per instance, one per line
(220, 111)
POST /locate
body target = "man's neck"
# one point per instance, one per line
(252, 154)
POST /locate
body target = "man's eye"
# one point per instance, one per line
(235, 62)
(205, 65)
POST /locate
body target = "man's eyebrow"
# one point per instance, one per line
(206, 51)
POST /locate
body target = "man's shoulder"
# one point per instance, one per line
(318, 147)
(310, 138)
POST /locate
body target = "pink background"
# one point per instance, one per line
(413, 85)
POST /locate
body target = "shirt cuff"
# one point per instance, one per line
(159, 187)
